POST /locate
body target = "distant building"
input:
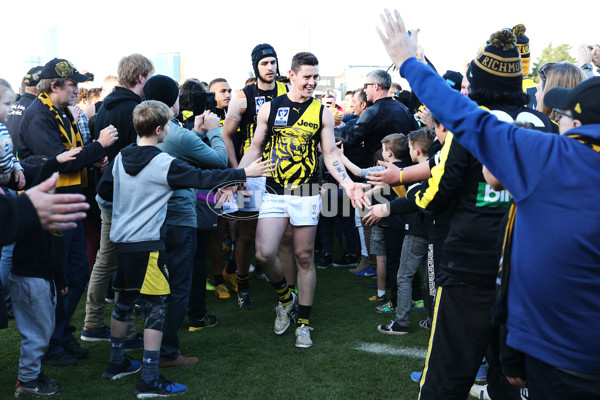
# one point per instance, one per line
(33, 61)
(51, 37)
(168, 64)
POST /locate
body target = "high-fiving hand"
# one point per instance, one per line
(399, 45)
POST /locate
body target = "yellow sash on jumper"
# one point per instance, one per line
(70, 141)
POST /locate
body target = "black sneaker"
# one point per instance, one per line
(346, 260)
(36, 387)
(118, 371)
(47, 380)
(73, 348)
(245, 300)
(393, 329)
(260, 273)
(324, 260)
(295, 314)
(61, 359)
(199, 324)
(159, 387)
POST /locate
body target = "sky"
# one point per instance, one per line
(215, 38)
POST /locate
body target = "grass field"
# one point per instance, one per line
(242, 358)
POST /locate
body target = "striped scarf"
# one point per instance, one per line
(70, 140)
(500, 308)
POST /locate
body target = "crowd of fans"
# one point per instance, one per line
(427, 191)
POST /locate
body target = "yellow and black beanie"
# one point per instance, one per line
(523, 45)
(498, 65)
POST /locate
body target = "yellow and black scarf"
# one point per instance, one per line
(500, 309)
(70, 140)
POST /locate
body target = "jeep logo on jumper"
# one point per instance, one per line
(488, 197)
(308, 124)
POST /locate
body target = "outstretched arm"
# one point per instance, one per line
(393, 175)
(350, 166)
(500, 146)
(335, 166)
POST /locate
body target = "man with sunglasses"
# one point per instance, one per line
(386, 116)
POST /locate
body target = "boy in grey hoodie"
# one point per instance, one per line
(139, 182)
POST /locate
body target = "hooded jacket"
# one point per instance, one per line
(555, 259)
(143, 179)
(117, 110)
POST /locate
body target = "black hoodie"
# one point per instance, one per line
(117, 110)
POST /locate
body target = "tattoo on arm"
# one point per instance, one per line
(340, 170)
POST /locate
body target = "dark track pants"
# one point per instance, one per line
(460, 337)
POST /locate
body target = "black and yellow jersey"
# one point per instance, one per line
(255, 98)
(469, 251)
(293, 133)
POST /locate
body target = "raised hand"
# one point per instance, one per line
(108, 136)
(57, 211)
(376, 213)
(399, 45)
(356, 194)
(260, 168)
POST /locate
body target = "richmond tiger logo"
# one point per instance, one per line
(64, 69)
(293, 151)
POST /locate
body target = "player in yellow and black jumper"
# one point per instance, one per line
(238, 132)
(220, 87)
(288, 130)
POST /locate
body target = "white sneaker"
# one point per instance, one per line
(480, 392)
(282, 320)
(303, 340)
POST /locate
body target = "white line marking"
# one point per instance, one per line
(378, 348)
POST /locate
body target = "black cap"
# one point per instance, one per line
(162, 88)
(60, 68)
(454, 79)
(583, 100)
(262, 51)
(32, 77)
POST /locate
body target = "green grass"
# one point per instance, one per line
(242, 358)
